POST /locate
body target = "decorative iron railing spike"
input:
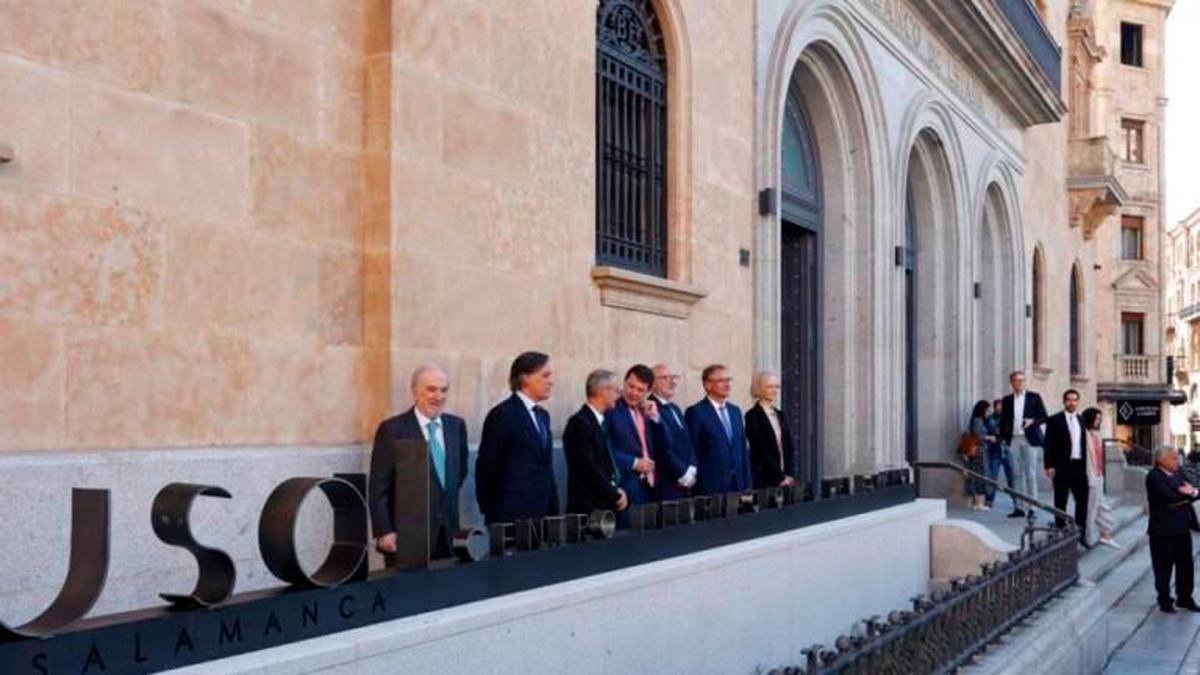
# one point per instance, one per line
(947, 628)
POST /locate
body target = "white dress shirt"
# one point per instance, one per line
(1018, 413)
(424, 421)
(529, 404)
(1076, 430)
(599, 415)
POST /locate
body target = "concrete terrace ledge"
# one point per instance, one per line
(760, 601)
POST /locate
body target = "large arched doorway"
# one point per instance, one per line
(931, 312)
(800, 275)
(995, 297)
(826, 274)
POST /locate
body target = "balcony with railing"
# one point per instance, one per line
(1189, 312)
(1139, 368)
(1141, 377)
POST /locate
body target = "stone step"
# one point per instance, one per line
(1097, 563)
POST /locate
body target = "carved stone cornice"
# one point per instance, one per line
(982, 36)
(1094, 192)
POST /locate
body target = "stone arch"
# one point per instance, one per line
(818, 58)
(933, 205)
(997, 288)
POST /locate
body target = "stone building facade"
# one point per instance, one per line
(231, 228)
(1116, 189)
(1182, 255)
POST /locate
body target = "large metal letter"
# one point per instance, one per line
(277, 531)
(170, 516)
(87, 571)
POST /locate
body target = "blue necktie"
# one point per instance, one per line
(543, 433)
(725, 423)
(437, 452)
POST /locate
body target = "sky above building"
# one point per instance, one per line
(1183, 110)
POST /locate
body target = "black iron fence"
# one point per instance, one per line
(946, 629)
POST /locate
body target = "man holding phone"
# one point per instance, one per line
(637, 436)
(1020, 428)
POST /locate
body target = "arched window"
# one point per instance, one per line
(1036, 307)
(631, 137)
(1076, 348)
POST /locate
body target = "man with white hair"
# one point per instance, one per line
(445, 436)
(1171, 523)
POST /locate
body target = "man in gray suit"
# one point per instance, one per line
(446, 438)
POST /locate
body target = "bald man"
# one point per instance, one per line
(446, 442)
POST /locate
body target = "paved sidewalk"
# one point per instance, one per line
(1162, 644)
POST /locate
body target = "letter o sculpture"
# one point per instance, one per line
(277, 531)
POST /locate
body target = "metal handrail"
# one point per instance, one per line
(1031, 526)
(946, 629)
(1135, 455)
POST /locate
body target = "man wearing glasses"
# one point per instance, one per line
(680, 470)
(718, 437)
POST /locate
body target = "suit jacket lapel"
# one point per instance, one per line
(530, 428)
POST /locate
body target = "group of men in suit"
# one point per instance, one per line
(1025, 426)
(628, 444)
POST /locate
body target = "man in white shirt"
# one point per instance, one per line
(1020, 429)
(1066, 454)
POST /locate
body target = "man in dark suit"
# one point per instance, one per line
(514, 471)
(592, 475)
(1023, 413)
(637, 437)
(678, 475)
(1171, 522)
(1066, 461)
(446, 436)
(718, 436)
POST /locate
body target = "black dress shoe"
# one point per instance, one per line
(1167, 609)
(1017, 513)
(1190, 606)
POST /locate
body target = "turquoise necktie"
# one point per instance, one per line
(438, 452)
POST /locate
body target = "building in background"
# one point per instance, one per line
(1182, 253)
(1115, 187)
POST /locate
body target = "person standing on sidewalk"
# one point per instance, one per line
(998, 458)
(1099, 514)
(1023, 413)
(1171, 522)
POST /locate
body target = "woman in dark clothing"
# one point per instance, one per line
(771, 460)
(978, 427)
